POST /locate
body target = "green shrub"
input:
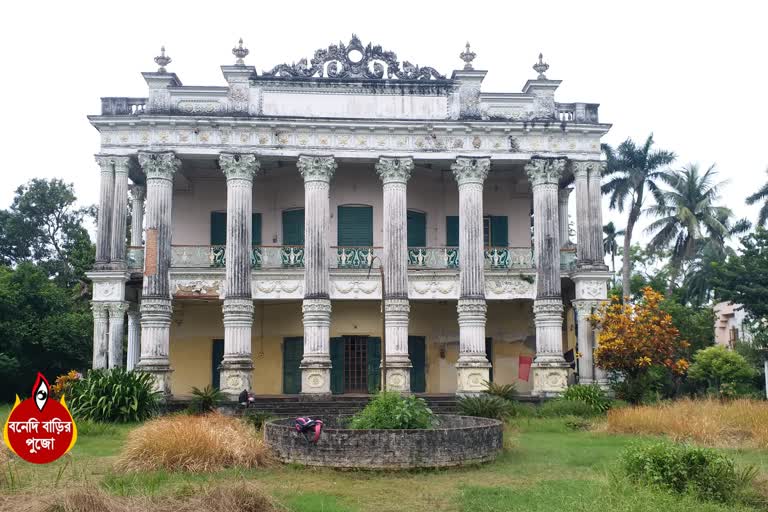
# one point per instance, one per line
(681, 468)
(558, 408)
(591, 394)
(257, 418)
(486, 406)
(114, 395)
(505, 391)
(717, 365)
(390, 410)
(205, 400)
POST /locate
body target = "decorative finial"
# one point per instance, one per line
(162, 60)
(541, 67)
(240, 52)
(467, 56)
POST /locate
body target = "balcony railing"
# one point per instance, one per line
(567, 259)
(354, 257)
(135, 257)
(123, 106)
(433, 257)
(215, 256)
(577, 112)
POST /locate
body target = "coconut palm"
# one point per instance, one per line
(687, 214)
(631, 169)
(761, 195)
(611, 244)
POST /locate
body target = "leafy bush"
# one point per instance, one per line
(486, 406)
(505, 391)
(390, 410)
(558, 408)
(257, 418)
(592, 395)
(717, 365)
(682, 468)
(114, 395)
(205, 400)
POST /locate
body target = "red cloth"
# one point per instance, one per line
(524, 367)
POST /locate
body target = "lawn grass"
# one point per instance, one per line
(546, 466)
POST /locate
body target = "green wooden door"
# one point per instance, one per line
(499, 231)
(293, 227)
(256, 227)
(355, 224)
(293, 350)
(337, 365)
(217, 356)
(219, 228)
(452, 231)
(489, 355)
(417, 229)
(374, 364)
(418, 354)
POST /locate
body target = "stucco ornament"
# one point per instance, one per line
(470, 169)
(243, 166)
(161, 165)
(543, 171)
(354, 60)
(317, 168)
(394, 169)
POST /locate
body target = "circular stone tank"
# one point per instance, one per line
(453, 441)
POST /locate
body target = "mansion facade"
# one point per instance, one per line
(284, 224)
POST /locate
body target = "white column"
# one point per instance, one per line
(583, 219)
(237, 365)
(138, 193)
(156, 307)
(472, 367)
(394, 173)
(134, 337)
(550, 371)
(119, 210)
(116, 328)
(562, 216)
(100, 334)
(584, 341)
(596, 213)
(104, 221)
(317, 172)
(591, 292)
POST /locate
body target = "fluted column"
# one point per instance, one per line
(156, 309)
(119, 211)
(134, 337)
(116, 328)
(472, 367)
(104, 220)
(394, 173)
(550, 371)
(596, 213)
(562, 216)
(317, 172)
(584, 340)
(237, 365)
(138, 193)
(583, 219)
(100, 334)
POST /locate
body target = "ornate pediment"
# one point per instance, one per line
(353, 60)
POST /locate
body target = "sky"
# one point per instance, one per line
(693, 73)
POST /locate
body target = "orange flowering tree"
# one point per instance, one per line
(636, 337)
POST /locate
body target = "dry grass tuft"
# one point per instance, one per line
(237, 497)
(193, 443)
(711, 422)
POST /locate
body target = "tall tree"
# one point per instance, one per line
(631, 169)
(761, 195)
(611, 244)
(687, 213)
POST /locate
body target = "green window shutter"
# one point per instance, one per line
(217, 356)
(355, 226)
(417, 229)
(499, 231)
(293, 227)
(489, 356)
(337, 365)
(418, 356)
(256, 226)
(452, 231)
(218, 228)
(374, 364)
(293, 350)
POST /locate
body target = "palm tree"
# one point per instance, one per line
(688, 214)
(611, 244)
(631, 169)
(761, 195)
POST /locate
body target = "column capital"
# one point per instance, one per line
(117, 309)
(138, 192)
(317, 167)
(122, 164)
(467, 169)
(239, 166)
(582, 168)
(392, 169)
(543, 171)
(583, 307)
(105, 162)
(563, 193)
(100, 309)
(159, 165)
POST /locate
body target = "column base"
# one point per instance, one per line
(473, 372)
(161, 373)
(316, 379)
(398, 376)
(235, 375)
(550, 379)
